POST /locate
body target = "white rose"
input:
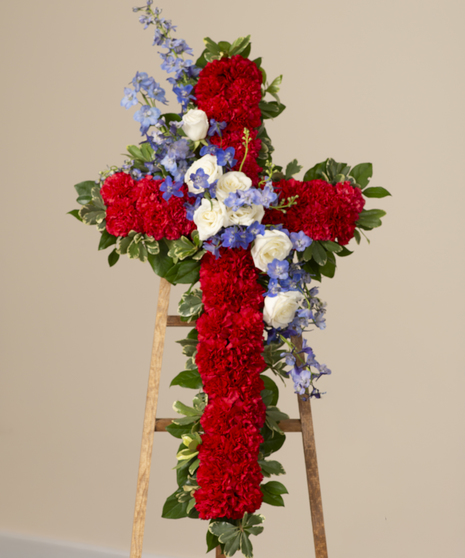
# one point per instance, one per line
(209, 217)
(195, 124)
(269, 246)
(279, 310)
(230, 182)
(210, 167)
(245, 215)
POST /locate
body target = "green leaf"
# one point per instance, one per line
(201, 61)
(222, 529)
(211, 46)
(190, 305)
(239, 45)
(272, 493)
(232, 545)
(91, 214)
(183, 421)
(84, 191)
(357, 236)
(308, 252)
(179, 430)
(173, 508)
(246, 52)
(329, 269)
(331, 246)
(106, 240)
(319, 253)
(186, 271)
(376, 192)
(212, 541)
(188, 379)
(271, 109)
(271, 467)
(135, 152)
(133, 250)
(147, 151)
(184, 409)
(113, 257)
(313, 268)
(344, 252)
(273, 441)
(271, 387)
(246, 545)
(75, 213)
(292, 168)
(275, 487)
(362, 173)
(161, 263)
(181, 248)
(378, 213)
(315, 172)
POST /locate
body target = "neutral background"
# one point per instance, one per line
(363, 81)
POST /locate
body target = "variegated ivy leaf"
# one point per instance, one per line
(102, 225)
(199, 255)
(190, 364)
(185, 410)
(200, 401)
(152, 245)
(181, 248)
(94, 212)
(235, 537)
(191, 306)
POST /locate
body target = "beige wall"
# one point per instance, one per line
(363, 81)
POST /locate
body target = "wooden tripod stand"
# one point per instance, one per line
(303, 424)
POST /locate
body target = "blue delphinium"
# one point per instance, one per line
(278, 269)
(129, 99)
(300, 241)
(171, 188)
(147, 116)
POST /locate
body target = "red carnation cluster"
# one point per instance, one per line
(230, 362)
(139, 206)
(229, 90)
(322, 211)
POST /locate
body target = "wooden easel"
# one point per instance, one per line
(303, 424)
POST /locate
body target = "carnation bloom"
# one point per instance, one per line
(322, 211)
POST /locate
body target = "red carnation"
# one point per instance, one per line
(229, 90)
(322, 211)
(161, 218)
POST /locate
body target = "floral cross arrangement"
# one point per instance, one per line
(201, 200)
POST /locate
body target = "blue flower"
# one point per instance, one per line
(169, 162)
(154, 91)
(183, 94)
(273, 288)
(129, 99)
(171, 188)
(268, 196)
(216, 127)
(229, 237)
(138, 80)
(278, 269)
(300, 241)
(208, 150)
(190, 208)
(170, 63)
(147, 116)
(234, 200)
(200, 180)
(256, 228)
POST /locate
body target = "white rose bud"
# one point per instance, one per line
(245, 215)
(269, 246)
(209, 217)
(231, 182)
(210, 167)
(279, 310)
(195, 124)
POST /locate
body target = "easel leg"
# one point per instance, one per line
(149, 420)
(311, 465)
(218, 553)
